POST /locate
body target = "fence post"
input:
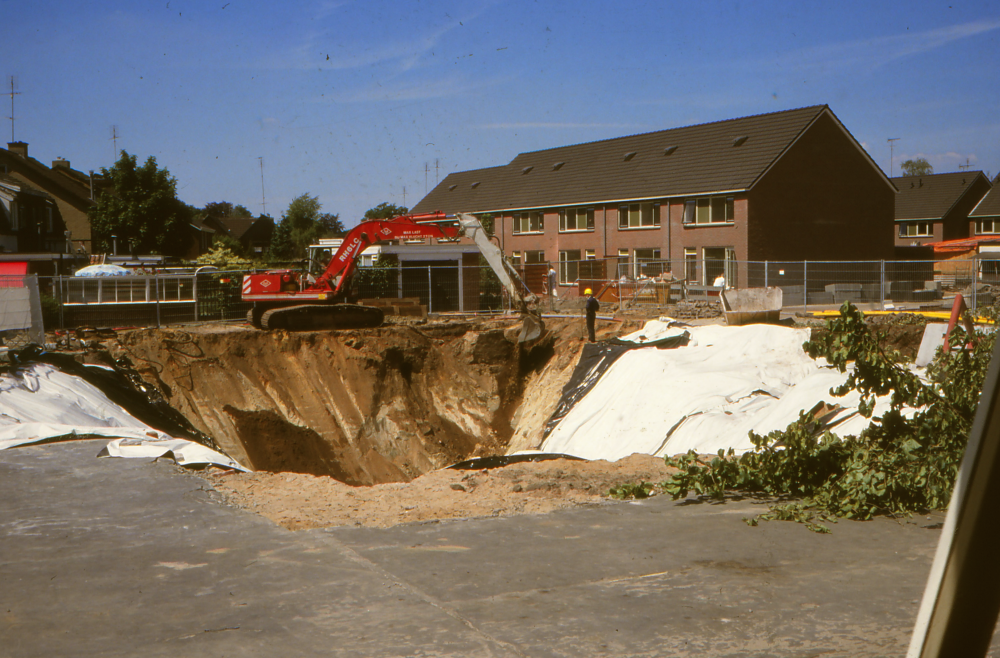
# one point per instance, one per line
(765, 274)
(975, 283)
(805, 286)
(194, 295)
(156, 297)
(882, 286)
(59, 297)
(430, 291)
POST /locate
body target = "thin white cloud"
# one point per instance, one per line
(879, 51)
(315, 50)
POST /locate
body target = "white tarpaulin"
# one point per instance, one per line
(704, 397)
(41, 403)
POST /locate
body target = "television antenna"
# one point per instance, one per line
(12, 83)
(427, 168)
(892, 144)
(965, 166)
(114, 138)
(404, 196)
(263, 199)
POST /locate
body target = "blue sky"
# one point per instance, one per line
(350, 100)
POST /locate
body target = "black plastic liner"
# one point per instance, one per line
(124, 387)
(480, 463)
(594, 362)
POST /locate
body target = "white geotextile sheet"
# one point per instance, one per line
(704, 397)
(41, 403)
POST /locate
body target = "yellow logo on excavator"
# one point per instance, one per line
(322, 295)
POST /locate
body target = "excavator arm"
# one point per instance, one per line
(286, 298)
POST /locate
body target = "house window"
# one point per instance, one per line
(710, 210)
(916, 230)
(638, 215)
(647, 262)
(719, 262)
(569, 263)
(529, 222)
(515, 258)
(14, 225)
(987, 226)
(49, 228)
(576, 219)
(590, 255)
(691, 265)
(534, 257)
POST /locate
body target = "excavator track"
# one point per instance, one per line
(320, 317)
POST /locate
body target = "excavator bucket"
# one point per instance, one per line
(531, 328)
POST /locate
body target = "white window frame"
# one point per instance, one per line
(639, 215)
(536, 254)
(532, 220)
(570, 220)
(710, 211)
(981, 226)
(590, 255)
(916, 230)
(569, 268)
(515, 258)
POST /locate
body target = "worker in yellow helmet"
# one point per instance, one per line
(592, 307)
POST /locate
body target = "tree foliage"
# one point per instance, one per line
(139, 206)
(226, 209)
(223, 258)
(905, 462)
(302, 225)
(916, 167)
(386, 210)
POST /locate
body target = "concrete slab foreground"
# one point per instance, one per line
(127, 557)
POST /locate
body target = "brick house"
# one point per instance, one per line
(29, 221)
(69, 190)
(701, 200)
(984, 218)
(936, 208)
(254, 233)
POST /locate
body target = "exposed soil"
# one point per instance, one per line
(366, 406)
(298, 501)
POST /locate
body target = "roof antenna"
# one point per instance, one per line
(114, 138)
(965, 166)
(12, 82)
(891, 145)
(263, 199)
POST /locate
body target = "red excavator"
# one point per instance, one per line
(294, 300)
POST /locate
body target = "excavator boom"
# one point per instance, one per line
(286, 299)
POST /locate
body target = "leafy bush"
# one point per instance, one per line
(898, 465)
(628, 490)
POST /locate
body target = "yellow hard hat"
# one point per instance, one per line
(588, 291)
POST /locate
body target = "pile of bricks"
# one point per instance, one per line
(694, 310)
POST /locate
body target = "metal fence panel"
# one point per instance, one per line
(20, 311)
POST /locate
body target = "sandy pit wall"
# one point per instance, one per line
(366, 406)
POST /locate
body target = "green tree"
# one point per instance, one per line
(139, 207)
(281, 246)
(916, 167)
(226, 209)
(304, 225)
(332, 226)
(386, 210)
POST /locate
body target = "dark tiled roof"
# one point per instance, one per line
(710, 157)
(24, 187)
(237, 226)
(66, 187)
(931, 197)
(989, 206)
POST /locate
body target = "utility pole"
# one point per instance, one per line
(263, 199)
(891, 141)
(12, 81)
(114, 138)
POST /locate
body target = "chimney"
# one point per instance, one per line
(18, 148)
(60, 162)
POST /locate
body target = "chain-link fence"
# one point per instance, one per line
(20, 312)
(449, 287)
